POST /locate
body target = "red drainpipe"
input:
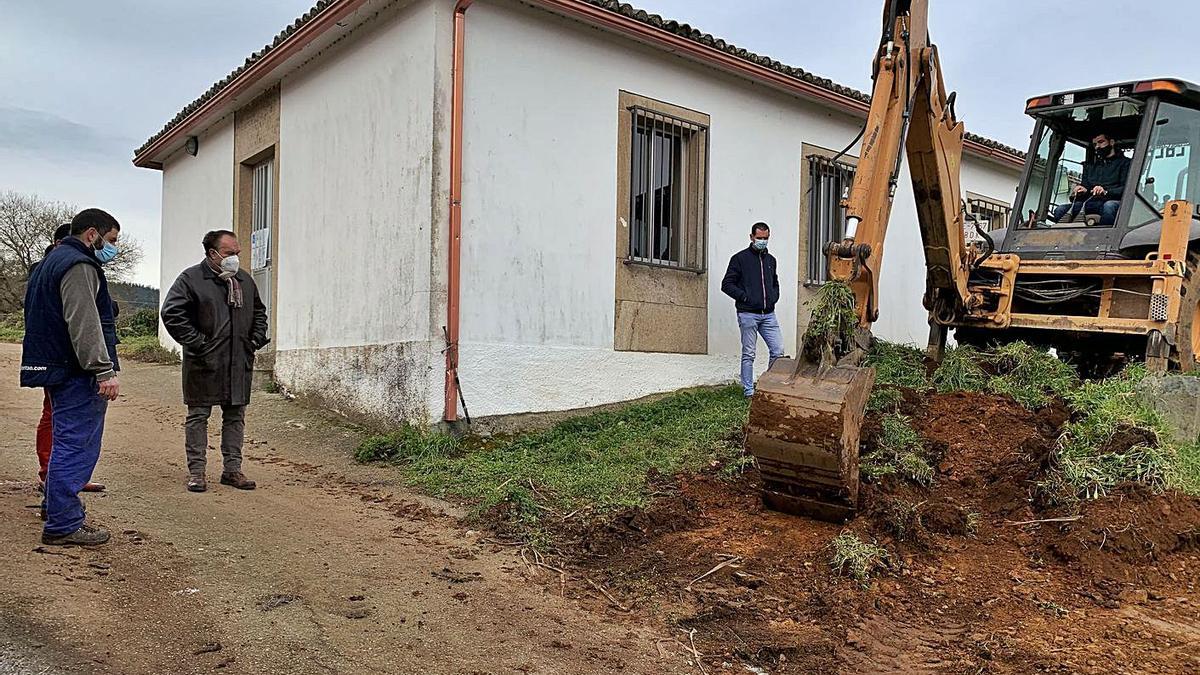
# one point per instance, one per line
(453, 284)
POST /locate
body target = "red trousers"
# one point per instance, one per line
(45, 438)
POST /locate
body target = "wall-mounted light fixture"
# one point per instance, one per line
(192, 146)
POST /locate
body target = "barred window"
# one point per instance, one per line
(992, 214)
(668, 180)
(828, 182)
(261, 214)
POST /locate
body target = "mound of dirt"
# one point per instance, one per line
(979, 577)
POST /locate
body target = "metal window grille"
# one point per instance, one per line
(261, 196)
(992, 214)
(260, 217)
(668, 191)
(828, 182)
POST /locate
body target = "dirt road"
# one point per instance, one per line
(329, 567)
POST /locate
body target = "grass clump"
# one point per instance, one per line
(899, 452)
(897, 365)
(960, 371)
(1029, 375)
(1116, 437)
(833, 320)
(884, 399)
(602, 461)
(145, 348)
(856, 557)
(406, 445)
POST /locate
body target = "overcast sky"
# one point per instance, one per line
(84, 83)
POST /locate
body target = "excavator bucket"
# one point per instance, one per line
(803, 430)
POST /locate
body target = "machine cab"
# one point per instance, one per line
(1155, 127)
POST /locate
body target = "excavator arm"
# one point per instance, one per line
(806, 414)
(910, 112)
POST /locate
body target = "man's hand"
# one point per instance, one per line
(1097, 191)
(110, 388)
(1079, 189)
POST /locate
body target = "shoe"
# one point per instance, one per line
(93, 487)
(197, 484)
(87, 535)
(238, 480)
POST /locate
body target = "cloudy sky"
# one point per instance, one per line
(84, 83)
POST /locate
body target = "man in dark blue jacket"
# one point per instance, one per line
(1101, 186)
(70, 349)
(752, 282)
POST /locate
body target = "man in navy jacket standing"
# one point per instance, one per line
(752, 282)
(70, 349)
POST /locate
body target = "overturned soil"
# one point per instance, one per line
(981, 576)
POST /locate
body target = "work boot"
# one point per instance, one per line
(197, 484)
(93, 487)
(86, 535)
(238, 480)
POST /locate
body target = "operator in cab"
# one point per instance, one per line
(1099, 192)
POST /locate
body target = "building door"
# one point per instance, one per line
(262, 208)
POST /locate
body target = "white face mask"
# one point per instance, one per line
(230, 264)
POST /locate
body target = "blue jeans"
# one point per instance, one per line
(78, 426)
(752, 326)
(1105, 208)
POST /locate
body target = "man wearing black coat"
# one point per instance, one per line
(753, 283)
(214, 312)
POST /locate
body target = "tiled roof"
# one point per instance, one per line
(228, 79)
(680, 29)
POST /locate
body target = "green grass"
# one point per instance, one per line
(1029, 375)
(897, 365)
(833, 319)
(960, 371)
(884, 399)
(145, 348)
(12, 328)
(605, 461)
(1088, 468)
(899, 452)
(856, 557)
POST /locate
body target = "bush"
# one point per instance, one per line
(12, 328)
(140, 323)
(146, 348)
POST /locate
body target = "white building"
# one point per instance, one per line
(589, 264)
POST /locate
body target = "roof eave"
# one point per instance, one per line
(153, 155)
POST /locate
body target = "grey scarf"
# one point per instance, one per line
(235, 289)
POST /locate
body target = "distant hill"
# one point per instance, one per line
(132, 297)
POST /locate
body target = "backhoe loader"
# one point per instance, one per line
(1094, 287)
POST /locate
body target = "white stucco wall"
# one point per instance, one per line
(356, 138)
(197, 196)
(540, 204)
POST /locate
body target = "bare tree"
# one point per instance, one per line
(27, 225)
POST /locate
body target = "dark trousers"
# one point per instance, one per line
(195, 437)
(78, 426)
(1105, 208)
